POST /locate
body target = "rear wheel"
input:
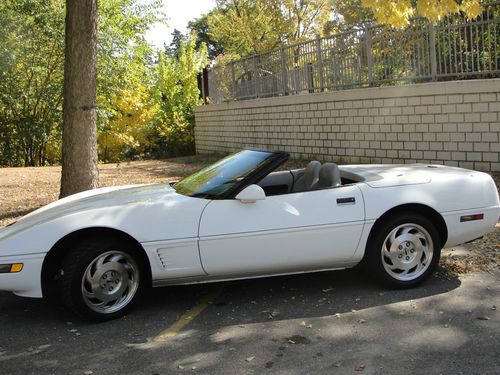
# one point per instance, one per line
(101, 278)
(403, 251)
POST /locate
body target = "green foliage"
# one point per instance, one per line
(31, 50)
(346, 14)
(177, 95)
(177, 39)
(31, 78)
(306, 18)
(125, 78)
(243, 27)
(200, 28)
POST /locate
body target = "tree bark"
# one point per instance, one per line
(79, 147)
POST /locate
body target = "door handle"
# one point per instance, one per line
(350, 200)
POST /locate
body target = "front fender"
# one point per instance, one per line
(145, 221)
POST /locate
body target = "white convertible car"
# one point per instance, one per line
(94, 252)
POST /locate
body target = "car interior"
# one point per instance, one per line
(314, 176)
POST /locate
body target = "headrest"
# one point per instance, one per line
(312, 173)
(329, 176)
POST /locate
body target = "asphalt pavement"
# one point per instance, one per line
(321, 323)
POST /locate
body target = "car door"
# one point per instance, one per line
(283, 233)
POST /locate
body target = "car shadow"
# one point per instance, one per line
(296, 296)
(247, 301)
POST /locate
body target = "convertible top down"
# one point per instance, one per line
(243, 217)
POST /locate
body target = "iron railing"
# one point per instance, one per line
(454, 48)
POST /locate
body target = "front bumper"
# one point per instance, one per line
(26, 283)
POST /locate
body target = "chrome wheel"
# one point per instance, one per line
(110, 282)
(407, 252)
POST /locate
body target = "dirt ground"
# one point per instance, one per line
(23, 190)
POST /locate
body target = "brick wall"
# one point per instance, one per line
(454, 123)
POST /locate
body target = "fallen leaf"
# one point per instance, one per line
(359, 367)
(303, 324)
(309, 326)
(298, 339)
(88, 372)
(483, 318)
(274, 314)
(193, 367)
(337, 315)
(250, 359)
(361, 321)
(180, 367)
(326, 290)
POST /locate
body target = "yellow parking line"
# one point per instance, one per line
(188, 316)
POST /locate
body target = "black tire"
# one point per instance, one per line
(405, 228)
(115, 271)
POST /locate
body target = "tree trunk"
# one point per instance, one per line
(79, 147)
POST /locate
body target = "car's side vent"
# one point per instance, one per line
(162, 255)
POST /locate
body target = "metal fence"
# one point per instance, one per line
(454, 48)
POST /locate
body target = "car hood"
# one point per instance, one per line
(93, 199)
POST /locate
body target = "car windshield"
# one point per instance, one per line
(219, 178)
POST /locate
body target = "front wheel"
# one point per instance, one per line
(101, 278)
(404, 250)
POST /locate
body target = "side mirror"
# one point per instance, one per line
(251, 194)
